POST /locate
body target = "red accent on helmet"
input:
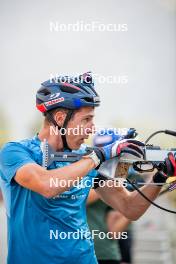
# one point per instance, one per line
(41, 108)
(71, 86)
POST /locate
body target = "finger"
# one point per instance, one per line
(170, 164)
(132, 152)
(169, 167)
(135, 147)
(171, 158)
(130, 145)
(136, 142)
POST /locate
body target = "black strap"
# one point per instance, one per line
(52, 120)
(68, 117)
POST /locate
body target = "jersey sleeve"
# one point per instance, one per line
(12, 157)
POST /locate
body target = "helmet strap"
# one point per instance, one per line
(64, 140)
(67, 118)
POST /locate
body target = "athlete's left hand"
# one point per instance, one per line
(168, 169)
(170, 165)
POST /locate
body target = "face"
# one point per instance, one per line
(80, 127)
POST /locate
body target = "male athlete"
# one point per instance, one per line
(43, 218)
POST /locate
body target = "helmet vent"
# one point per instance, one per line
(45, 92)
(68, 89)
(88, 99)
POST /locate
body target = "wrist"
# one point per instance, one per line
(94, 158)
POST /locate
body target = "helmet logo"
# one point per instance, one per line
(55, 101)
(55, 95)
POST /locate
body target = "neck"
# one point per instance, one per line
(54, 140)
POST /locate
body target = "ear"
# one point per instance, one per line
(60, 117)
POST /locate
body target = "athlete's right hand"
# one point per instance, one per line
(129, 146)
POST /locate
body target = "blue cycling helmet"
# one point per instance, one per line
(69, 93)
(109, 135)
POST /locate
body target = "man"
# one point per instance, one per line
(37, 209)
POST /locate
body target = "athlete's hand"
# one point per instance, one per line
(129, 146)
(168, 169)
(170, 165)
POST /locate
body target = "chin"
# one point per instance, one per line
(76, 147)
